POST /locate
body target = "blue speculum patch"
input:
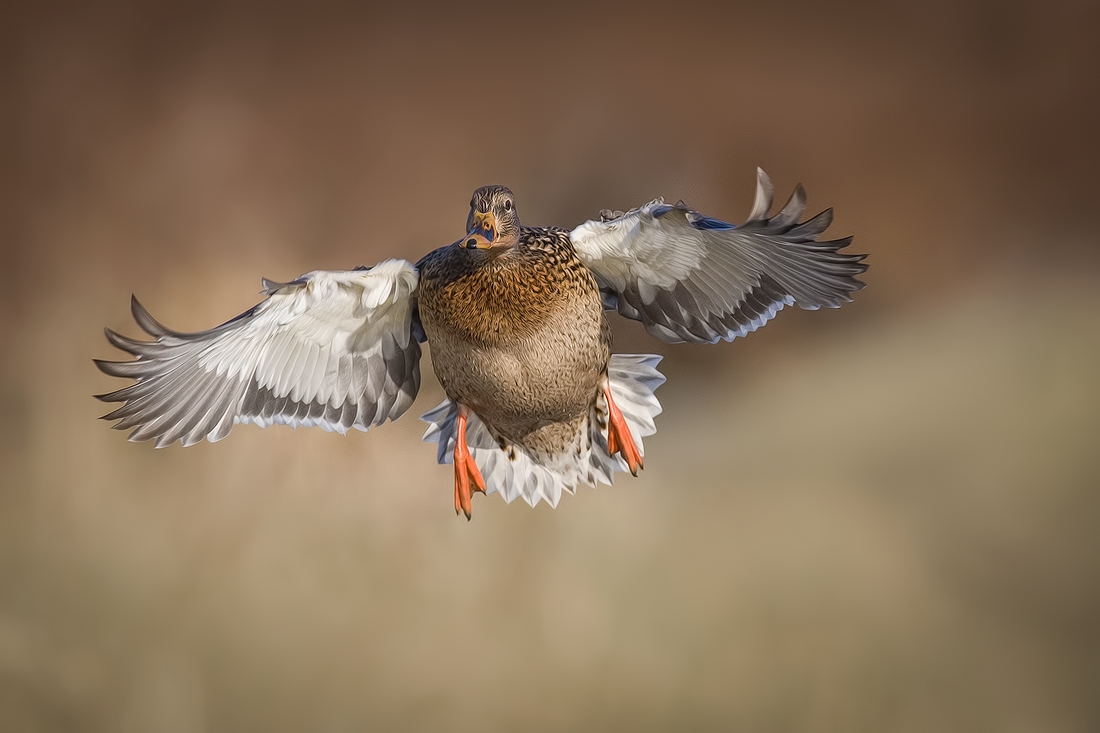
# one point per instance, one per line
(706, 222)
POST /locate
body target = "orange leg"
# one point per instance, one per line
(619, 439)
(467, 476)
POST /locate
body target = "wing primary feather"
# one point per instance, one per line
(762, 203)
(793, 209)
(813, 226)
(132, 346)
(146, 321)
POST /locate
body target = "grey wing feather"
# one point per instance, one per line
(691, 277)
(332, 349)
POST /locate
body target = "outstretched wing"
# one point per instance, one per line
(335, 349)
(689, 277)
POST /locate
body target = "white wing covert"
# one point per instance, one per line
(334, 349)
(690, 277)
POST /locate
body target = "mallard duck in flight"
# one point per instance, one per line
(536, 402)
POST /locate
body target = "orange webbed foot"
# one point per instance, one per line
(619, 439)
(467, 475)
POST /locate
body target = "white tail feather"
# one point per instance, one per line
(513, 474)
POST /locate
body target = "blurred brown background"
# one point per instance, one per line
(882, 518)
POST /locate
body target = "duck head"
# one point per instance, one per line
(493, 221)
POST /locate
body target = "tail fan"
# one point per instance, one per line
(515, 473)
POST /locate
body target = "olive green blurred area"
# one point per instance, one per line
(880, 518)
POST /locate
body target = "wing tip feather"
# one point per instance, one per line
(145, 320)
(762, 203)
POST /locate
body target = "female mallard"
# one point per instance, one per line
(536, 403)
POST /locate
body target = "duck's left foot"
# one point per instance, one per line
(619, 439)
(467, 476)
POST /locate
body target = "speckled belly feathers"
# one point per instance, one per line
(519, 337)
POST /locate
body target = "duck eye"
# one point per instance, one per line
(507, 205)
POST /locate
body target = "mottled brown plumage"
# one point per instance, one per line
(517, 331)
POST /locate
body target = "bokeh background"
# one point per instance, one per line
(880, 518)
